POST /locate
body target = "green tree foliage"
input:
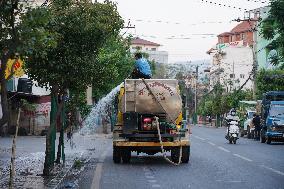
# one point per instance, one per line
(77, 101)
(217, 102)
(272, 28)
(160, 71)
(62, 41)
(269, 80)
(115, 63)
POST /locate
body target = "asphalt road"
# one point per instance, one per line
(213, 164)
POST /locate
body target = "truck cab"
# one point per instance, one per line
(273, 129)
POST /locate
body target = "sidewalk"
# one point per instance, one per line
(30, 153)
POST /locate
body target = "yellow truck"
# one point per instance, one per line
(149, 120)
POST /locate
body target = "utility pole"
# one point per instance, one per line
(256, 18)
(196, 81)
(129, 26)
(195, 95)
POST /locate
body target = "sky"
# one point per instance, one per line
(184, 28)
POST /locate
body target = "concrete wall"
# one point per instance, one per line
(89, 95)
(37, 120)
(157, 56)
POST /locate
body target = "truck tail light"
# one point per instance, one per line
(147, 123)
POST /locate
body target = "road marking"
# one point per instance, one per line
(211, 143)
(98, 171)
(229, 181)
(198, 137)
(152, 181)
(148, 174)
(156, 186)
(150, 177)
(242, 157)
(224, 149)
(273, 170)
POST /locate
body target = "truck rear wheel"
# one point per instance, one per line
(185, 154)
(262, 139)
(126, 155)
(268, 140)
(175, 152)
(116, 155)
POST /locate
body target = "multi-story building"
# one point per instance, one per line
(151, 48)
(232, 58)
(265, 51)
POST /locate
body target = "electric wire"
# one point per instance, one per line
(231, 6)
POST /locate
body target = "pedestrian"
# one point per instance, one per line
(141, 68)
(256, 123)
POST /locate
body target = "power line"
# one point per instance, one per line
(223, 5)
(258, 1)
(231, 6)
(179, 23)
(180, 37)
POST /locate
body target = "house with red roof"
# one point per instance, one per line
(151, 48)
(242, 32)
(232, 57)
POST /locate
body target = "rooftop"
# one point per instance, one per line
(139, 41)
(244, 26)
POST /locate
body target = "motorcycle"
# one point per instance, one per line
(233, 132)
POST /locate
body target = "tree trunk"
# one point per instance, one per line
(56, 110)
(4, 99)
(60, 150)
(58, 156)
(13, 157)
(50, 139)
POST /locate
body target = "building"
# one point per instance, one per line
(264, 48)
(151, 48)
(232, 58)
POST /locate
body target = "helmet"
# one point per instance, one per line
(233, 112)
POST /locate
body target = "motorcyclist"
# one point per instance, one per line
(231, 117)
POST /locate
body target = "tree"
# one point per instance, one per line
(61, 43)
(269, 80)
(272, 28)
(160, 72)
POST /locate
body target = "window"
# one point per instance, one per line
(243, 36)
(153, 49)
(232, 75)
(231, 38)
(242, 75)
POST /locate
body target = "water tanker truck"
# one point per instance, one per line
(149, 120)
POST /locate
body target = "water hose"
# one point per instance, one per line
(158, 128)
